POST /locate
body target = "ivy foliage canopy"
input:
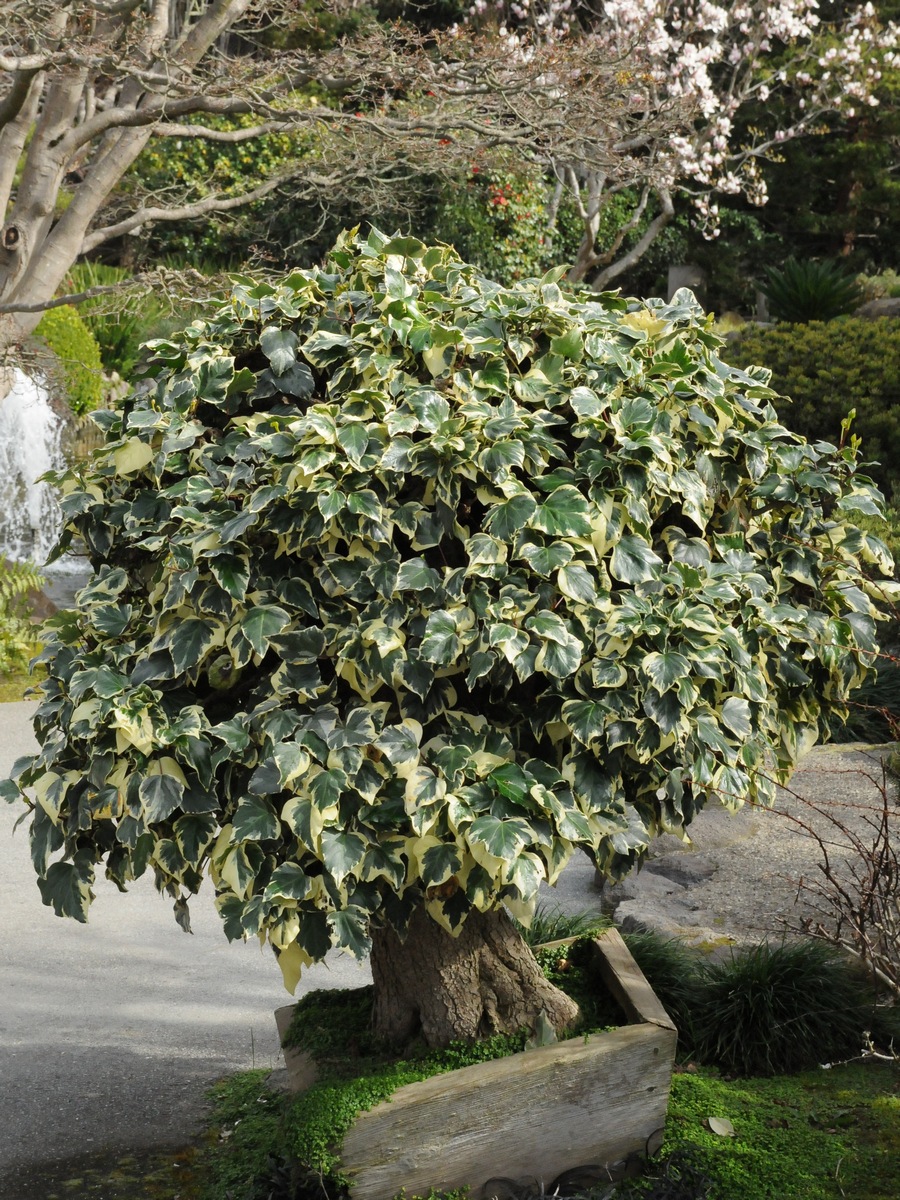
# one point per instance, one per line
(408, 584)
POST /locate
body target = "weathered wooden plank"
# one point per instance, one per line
(302, 1071)
(627, 982)
(536, 1114)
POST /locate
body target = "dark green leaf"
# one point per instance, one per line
(633, 560)
(266, 779)
(564, 513)
(194, 833)
(503, 839)
(288, 882)
(415, 576)
(263, 623)
(190, 641)
(232, 574)
(665, 670)
(441, 643)
(736, 715)
(505, 520)
(664, 710)
(160, 796)
(280, 348)
(351, 931)
(439, 863)
(325, 347)
(327, 788)
(544, 560)
(66, 889)
(353, 439)
(586, 719)
(341, 853)
(254, 820)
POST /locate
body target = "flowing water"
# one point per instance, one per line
(31, 442)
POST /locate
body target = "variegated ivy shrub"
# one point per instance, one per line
(407, 586)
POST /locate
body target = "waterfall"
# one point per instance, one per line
(30, 444)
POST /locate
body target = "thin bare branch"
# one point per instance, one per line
(58, 301)
(184, 212)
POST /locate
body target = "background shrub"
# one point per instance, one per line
(828, 369)
(499, 222)
(119, 323)
(81, 367)
(878, 287)
(17, 633)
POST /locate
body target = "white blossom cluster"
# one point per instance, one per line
(717, 58)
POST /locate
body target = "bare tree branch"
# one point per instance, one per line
(42, 306)
(184, 212)
(228, 136)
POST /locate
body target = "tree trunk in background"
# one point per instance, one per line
(444, 988)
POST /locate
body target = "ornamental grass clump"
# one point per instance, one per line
(774, 1009)
(408, 585)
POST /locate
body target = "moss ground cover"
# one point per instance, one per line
(820, 1135)
(813, 1136)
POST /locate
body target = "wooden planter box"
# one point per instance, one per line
(587, 1102)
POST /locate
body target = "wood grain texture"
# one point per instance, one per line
(535, 1114)
(627, 982)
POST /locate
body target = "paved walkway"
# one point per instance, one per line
(111, 1032)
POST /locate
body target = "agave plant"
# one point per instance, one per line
(810, 291)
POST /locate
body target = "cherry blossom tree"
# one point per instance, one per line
(780, 62)
(632, 97)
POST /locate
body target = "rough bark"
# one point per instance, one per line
(444, 988)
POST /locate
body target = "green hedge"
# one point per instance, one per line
(829, 368)
(79, 355)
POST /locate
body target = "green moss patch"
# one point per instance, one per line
(357, 1072)
(815, 1136)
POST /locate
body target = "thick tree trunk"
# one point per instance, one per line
(444, 988)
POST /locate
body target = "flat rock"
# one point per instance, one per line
(886, 306)
(736, 880)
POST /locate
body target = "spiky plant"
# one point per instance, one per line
(810, 291)
(772, 1009)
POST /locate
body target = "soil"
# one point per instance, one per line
(142, 1175)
